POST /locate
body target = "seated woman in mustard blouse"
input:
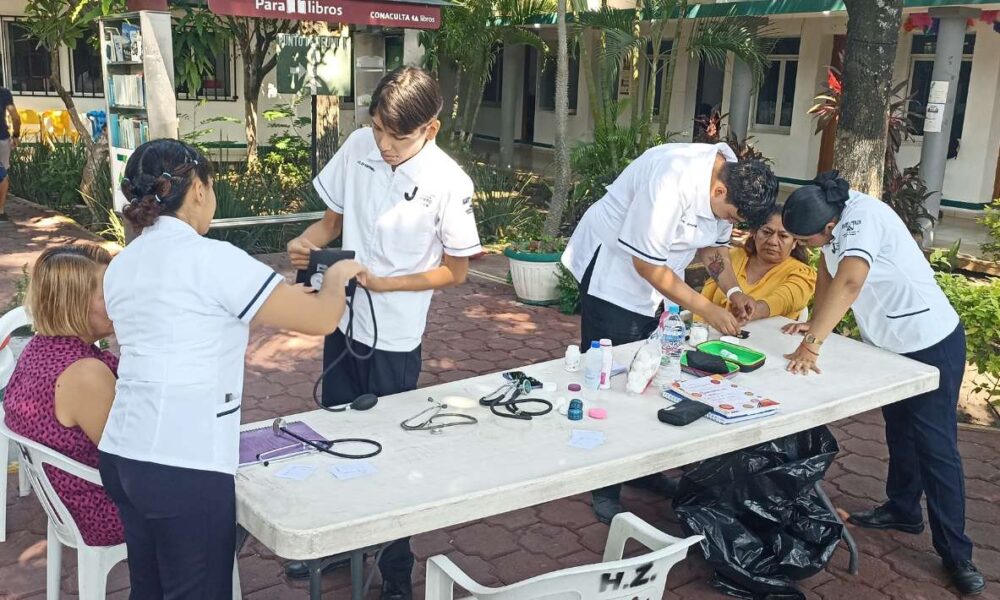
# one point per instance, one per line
(773, 269)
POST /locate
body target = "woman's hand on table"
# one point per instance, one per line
(796, 328)
(803, 360)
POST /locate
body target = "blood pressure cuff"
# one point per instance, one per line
(706, 363)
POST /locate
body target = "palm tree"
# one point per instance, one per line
(471, 36)
(557, 205)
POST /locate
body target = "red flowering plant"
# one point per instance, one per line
(902, 110)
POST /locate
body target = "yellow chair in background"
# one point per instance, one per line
(31, 125)
(69, 131)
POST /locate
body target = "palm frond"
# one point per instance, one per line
(516, 36)
(746, 38)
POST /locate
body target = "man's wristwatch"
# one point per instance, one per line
(811, 339)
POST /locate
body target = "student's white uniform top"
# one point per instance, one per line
(398, 223)
(657, 210)
(181, 305)
(900, 308)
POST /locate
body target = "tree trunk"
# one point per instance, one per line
(553, 221)
(654, 73)
(326, 118)
(633, 65)
(872, 34)
(95, 150)
(251, 93)
(669, 67)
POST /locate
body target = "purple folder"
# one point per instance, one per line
(258, 445)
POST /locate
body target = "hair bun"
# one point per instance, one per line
(836, 190)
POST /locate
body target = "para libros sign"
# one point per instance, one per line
(385, 14)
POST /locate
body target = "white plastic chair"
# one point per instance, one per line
(9, 322)
(93, 562)
(643, 576)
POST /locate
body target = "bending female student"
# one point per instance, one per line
(182, 306)
(871, 264)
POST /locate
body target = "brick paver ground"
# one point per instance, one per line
(479, 328)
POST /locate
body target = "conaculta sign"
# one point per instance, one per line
(386, 14)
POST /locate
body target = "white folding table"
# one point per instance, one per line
(426, 482)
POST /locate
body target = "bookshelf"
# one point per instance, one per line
(137, 60)
(369, 69)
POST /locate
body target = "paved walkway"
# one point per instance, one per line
(479, 328)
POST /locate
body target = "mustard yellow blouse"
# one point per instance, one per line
(786, 288)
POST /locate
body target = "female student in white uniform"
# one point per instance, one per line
(871, 264)
(182, 305)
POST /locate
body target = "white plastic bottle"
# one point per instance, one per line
(592, 366)
(607, 363)
(572, 359)
(672, 345)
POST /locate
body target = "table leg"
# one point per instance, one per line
(852, 546)
(315, 578)
(357, 575)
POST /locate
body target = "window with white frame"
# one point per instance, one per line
(547, 82)
(922, 50)
(493, 90)
(217, 83)
(85, 65)
(28, 64)
(775, 97)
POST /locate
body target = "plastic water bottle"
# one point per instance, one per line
(672, 332)
(592, 366)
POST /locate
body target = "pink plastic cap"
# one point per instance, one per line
(597, 413)
(574, 387)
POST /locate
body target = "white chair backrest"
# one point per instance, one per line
(9, 323)
(33, 456)
(643, 576)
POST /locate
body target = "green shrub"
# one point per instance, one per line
(48, 175)
(569, 292)
(977, 302)
(502, 208)
(992, 222)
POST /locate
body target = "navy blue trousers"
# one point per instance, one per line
(384, 374)
(180, 528)
(922, 435)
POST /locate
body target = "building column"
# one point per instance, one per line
(413, 52)
(941, 105)
(739, 100)
(510, 87)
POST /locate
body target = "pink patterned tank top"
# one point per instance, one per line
(29, 403)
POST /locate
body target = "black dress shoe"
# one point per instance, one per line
(298, 569)
(605, 509)
(966, 577)
(883, 517)
(395, 590)
(658, 483)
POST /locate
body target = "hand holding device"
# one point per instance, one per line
(299, 250)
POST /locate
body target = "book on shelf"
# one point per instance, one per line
(113, 51)
(132, 42)
(128, 132)
(127, 91)
(730, 402)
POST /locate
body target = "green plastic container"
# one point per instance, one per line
(733, 367)
(748, 359)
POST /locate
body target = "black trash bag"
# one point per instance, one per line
(763, 524)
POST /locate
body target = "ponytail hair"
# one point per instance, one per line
(811, 207)
(157, 178)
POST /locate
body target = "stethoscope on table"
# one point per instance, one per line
(437, 420)
(324, 446)
(517, 384)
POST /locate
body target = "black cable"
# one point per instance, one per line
(348, 344)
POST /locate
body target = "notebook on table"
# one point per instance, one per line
(261, 443)
(730, 402)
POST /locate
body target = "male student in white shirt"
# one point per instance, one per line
(405, 208)
(630, 250)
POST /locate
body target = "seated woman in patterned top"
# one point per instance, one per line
(772, 269)
(62, 387)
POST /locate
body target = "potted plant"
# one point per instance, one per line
(534, 269)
